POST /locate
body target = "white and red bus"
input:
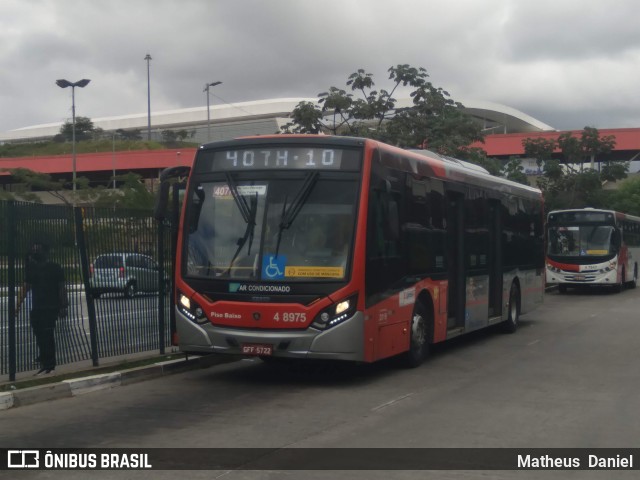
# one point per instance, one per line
(312, 246)
(592, 247)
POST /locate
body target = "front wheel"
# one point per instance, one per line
(618, 287)
(634, 281)
(419, 337)
(510, 325)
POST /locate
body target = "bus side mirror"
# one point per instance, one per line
(616, 240)
(162, 200)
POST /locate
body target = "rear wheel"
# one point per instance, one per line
(419, 337)
(510, 325)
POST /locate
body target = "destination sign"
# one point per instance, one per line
(564, 218)
(280, 158)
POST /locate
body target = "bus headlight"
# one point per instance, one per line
(610, 267)
(191, 309)
(336, 313)
(553, 269)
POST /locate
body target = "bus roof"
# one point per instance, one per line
(618, 215)
(447, 168)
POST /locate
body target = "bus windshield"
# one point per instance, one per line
(296, 227)
(580, 241)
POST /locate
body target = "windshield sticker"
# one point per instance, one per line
(273, 266)
(223, 191)
(314, 272)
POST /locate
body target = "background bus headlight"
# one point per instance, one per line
(336, 313)
(610, 267)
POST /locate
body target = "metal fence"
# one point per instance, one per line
(97, 325)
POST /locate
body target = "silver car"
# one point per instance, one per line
(127, 273)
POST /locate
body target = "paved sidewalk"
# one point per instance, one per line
(78, 379)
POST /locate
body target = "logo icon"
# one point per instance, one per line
(273, 266)
(256, 316)
(23, 459)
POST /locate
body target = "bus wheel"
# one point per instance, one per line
(419, 337)
(562, 288)
(634, 281)
(618, 287)
(510, 325)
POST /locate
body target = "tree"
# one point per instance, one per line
(132, 194)
(84, 130)
(30, 182)
(433, 120)
(479, 157)
(627, 197)
(173, 137)
(513, 171)
(566, 183)
(129, 134)
(305, 118)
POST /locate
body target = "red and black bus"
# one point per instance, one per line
(321, 247)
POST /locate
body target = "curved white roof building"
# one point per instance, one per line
(260, 117)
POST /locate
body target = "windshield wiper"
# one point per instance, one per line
(248, 213)
(289, 214)
(241, 202)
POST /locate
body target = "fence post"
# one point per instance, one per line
(161, 287)
(11, 281)
(84, 263)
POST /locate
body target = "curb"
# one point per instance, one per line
(94, 383)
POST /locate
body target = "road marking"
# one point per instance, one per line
(391, 402)
(533, 343)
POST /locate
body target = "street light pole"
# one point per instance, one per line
(64, 84)
(206, 89)
(148, 59)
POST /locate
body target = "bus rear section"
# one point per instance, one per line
(339, 248)
(590, 247)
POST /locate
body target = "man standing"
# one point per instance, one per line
(45, 280)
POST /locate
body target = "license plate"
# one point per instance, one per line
(579, 277)
(262, 349)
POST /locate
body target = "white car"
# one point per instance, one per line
(127, 273)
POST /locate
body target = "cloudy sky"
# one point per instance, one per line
(568, 63)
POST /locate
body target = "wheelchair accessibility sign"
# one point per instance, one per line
(273, 267)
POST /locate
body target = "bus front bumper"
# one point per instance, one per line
(342, 342)
(580, 278)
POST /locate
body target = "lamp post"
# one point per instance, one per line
(148, 59)
(64, 84)
(206, 89)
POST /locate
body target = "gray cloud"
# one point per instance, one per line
(568, 63)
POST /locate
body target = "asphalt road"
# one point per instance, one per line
(567, 379)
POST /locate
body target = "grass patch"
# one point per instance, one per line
(124, 365)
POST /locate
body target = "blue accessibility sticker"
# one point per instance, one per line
(273, 267)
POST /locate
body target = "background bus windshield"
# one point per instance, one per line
(298, 228)
(583, 240)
